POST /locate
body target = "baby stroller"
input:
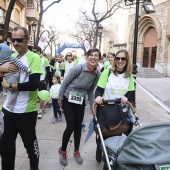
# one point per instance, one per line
(145, 148)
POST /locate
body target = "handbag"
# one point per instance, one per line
(113, 119)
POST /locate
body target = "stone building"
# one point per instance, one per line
(24, 13)
(153, 45)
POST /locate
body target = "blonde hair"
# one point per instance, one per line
(128, 66)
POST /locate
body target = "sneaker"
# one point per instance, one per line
(43, 110)
(60, 118)
(78, 158)
(63, 157)
(39, 115)
(83, 127)
(55, 120)
(98, 155)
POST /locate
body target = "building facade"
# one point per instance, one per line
(24, 13)
(153, 45)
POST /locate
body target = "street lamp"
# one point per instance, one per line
(149, 8)
(34, 26)
(100, 31)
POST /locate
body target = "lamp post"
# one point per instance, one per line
(34, 26)
(149, 8)
(100, 31)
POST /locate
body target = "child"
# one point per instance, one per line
(5, 56)
(54, 91)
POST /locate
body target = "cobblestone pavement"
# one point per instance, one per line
(50, 135)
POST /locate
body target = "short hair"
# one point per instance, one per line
(26, 33)
(38, 48)
(93, 50)
(128, 67)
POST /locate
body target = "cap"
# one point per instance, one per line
(4, 50)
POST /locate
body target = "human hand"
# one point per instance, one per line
(4, 83)
(99, 100)
(60, 104)
(124, 99)
(8, 67)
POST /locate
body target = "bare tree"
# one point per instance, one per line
(42, 11)
(7, 19)
(106, 12)
(84, 32)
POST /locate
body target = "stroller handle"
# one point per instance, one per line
(118, 100)
(112, 101)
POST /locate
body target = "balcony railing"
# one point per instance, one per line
(12, 24)
(24, 2)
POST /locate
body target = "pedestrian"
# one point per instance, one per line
(67, 65)
(81, 80)
(82, 60)
(108, 61)
(116, 82)
(52, 71)
(100, 64)
(43, 78)
(54, 91)
(58, 65)
(22, 120)
(5, 56)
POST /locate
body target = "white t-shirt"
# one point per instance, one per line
(116, 87)
(26, 100)
(68, 67)
(54, 90)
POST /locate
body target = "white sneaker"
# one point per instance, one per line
(39, 115)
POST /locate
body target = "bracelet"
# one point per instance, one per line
(10, 87)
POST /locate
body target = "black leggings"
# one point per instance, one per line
(74, 114)
(24, 124)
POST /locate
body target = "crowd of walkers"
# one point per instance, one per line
(69, 79)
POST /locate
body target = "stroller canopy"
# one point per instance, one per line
(146, 146)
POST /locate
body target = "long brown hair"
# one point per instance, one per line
(127, 68)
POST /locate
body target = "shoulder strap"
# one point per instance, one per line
(108, 74)
(80, 70)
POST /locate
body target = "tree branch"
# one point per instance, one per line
(51, 5)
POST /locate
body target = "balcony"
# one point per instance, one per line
(12, 24)
(32, 12)
(23, 2)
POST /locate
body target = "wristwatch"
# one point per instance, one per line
(10, 87)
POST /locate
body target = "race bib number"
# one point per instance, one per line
(75, 97)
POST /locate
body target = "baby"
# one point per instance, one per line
(5, 56)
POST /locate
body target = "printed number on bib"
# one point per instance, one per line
(75, 97)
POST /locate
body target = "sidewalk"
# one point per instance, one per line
(50, 135)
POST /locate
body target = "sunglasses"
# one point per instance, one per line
(121, 58)
(18, 40)
(68, 55)
(34, 51)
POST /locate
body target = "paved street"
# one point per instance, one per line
(49, 135)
